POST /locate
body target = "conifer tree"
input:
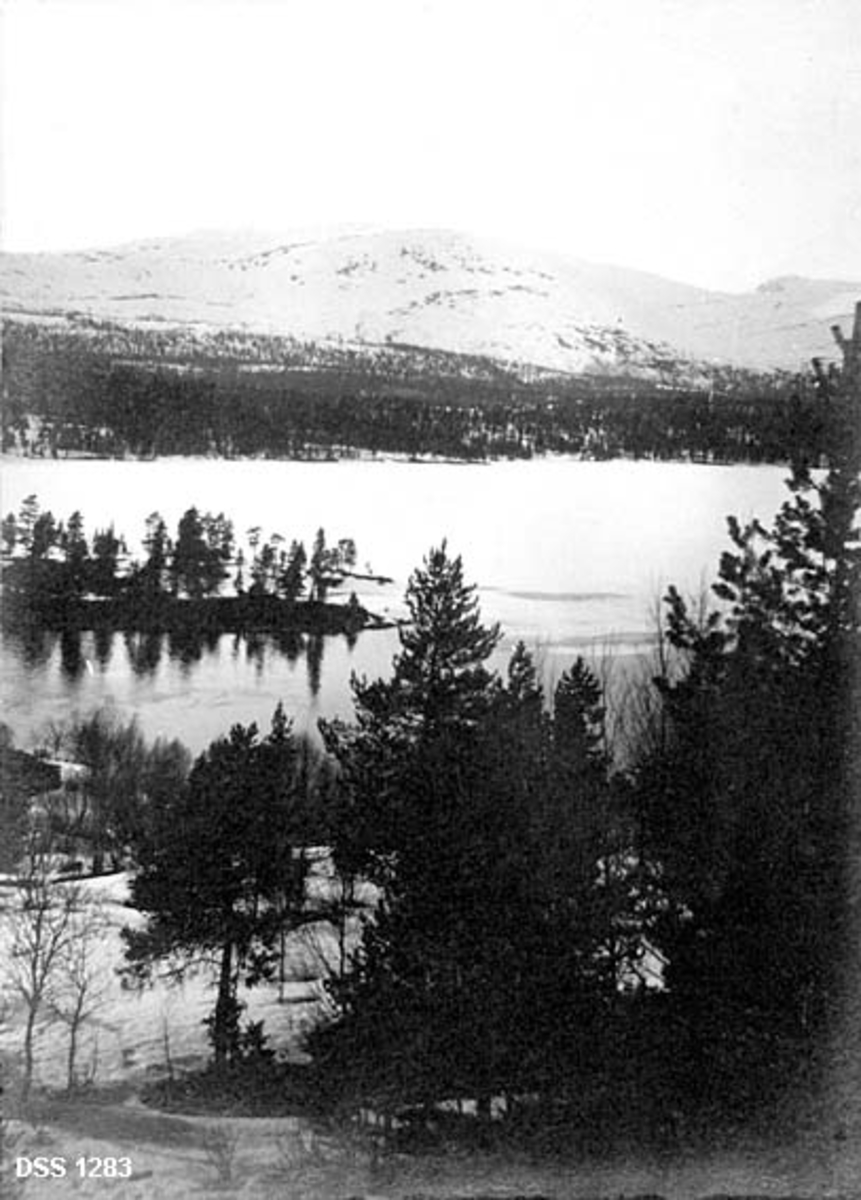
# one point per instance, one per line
(291, 581)
(412, 820)
(317, 566)
(152, 575)
(218, 876)
(747, 808)
(76, 553)
(104, 563)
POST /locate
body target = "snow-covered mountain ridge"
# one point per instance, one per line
(434, 289)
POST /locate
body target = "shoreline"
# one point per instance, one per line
(216, 614)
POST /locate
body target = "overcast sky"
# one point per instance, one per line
(713, 141)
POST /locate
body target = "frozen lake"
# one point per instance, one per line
(570, 556)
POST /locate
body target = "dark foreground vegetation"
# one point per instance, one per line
(101, 389)
(559, 945)
(53, 578)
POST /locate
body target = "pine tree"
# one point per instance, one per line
(439, 685)
(318, 566)
(218, 876)
(44, 535)
(104, 562)
(413, 818)
(28, 514)
(291, 581)
(77, 554)
(440, 677)
(152, 575)
(187, 566)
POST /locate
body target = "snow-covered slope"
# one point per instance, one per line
(438, 289)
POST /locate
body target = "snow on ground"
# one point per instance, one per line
(172, 1157)
(138, 1030)
(436, 288)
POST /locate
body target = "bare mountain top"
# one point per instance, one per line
(431, 288)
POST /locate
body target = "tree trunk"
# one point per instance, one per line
(223, 1007)
(98, 857)
(29, 1036)
(70, 1061)
(282, 950)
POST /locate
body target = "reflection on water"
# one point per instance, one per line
(144, 651)
(72, 661)
(34, 647)
(193, 687)
(188, 646)
(256, 647)
(315, 663)
(103, 640)
(83, 652)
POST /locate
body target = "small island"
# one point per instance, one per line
(54, 578)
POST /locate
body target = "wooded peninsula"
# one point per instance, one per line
(54, 578)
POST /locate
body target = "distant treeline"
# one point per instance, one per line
(107, 391)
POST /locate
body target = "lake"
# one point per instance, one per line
(569, 556)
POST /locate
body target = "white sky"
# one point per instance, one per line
(714, 141)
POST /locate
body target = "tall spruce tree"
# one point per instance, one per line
(417, 818)
(440, 686)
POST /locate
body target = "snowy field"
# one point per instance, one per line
(140, 1032)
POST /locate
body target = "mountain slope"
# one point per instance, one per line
(433, 289)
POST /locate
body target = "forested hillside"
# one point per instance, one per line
(100, 388)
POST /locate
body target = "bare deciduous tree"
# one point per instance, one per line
(42, 923)
(81, 984)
